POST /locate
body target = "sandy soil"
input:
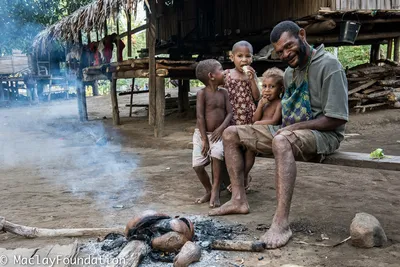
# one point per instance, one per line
(53, 175)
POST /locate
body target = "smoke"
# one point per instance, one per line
(49, 141)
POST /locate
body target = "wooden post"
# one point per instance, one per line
(396, 49)
(132, 89)
(389, 49)
(1, 91)
(88, 38)
(151, 45)
(95, 88)
(105, 28)
(114, 101)
(81, 97)
(129, 19)
(183, 95)
(80, 89)
(118, 46)
(160, 104)
(97, 36)
(374, 55)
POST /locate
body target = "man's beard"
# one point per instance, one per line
(302, 53)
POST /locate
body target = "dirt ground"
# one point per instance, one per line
(53, 175)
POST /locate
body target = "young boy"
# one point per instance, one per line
(269, 109)
(214, 114)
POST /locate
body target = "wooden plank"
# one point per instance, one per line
(362, 160)
(362, 87)
(151, 44)
(114, 101)
(134, 92)
(359, 160)
(160, 107)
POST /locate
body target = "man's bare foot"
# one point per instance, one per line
(246, 188)
(204, 198)
(276, 236)
(231, 207)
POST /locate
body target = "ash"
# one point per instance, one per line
(206, 231)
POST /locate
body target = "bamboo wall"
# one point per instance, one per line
(365, 4)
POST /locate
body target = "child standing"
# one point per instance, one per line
(269, 109)
(214, 114)
(241, 83)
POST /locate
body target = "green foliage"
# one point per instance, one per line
(22, 20)
(351, 56)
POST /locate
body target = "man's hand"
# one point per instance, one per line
(206, 147)
(292, 127)
(216, 135)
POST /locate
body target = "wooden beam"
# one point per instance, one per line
(183, 95)
(160, 107)
(319, 27)
(389, 49)
(151, 45)
(114, 101)
(136, 30)
(131, 100)
(361, 37)
(95, 88)
(129, 22)
(396, 49)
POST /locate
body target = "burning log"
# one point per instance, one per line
(131, 255)
(32, 232)
(238, 245)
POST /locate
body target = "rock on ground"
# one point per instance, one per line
(366, 231)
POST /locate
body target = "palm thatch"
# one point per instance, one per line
(85, 19)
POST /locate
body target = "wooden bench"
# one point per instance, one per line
(360, 160)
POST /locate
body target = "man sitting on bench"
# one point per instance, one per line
(314, 113)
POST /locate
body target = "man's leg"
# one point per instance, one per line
(279, 233)
(234, 158)
(250, 157)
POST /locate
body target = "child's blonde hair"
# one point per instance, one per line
(274, 73)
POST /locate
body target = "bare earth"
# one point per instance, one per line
(53, 175)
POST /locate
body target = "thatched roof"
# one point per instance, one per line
(85, 19)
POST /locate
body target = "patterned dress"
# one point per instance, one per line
(241, 99)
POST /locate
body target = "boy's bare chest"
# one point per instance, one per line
(215, 100)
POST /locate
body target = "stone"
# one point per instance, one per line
(190, 252)
(366, 231)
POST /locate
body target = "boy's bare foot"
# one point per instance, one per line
(231, 207)
(204, 198)
(246, 184)
(277, 236)
(214, 201)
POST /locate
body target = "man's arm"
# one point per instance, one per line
(322, 123)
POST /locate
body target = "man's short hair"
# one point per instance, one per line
(274, 73)
(284, 26)
(242, 43)
(204, 68)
